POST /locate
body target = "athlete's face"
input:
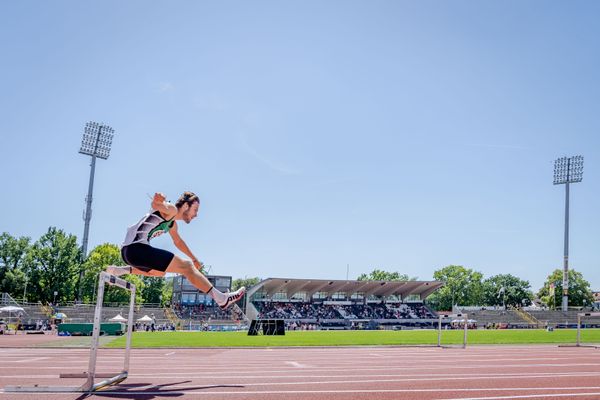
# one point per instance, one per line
(191, 213)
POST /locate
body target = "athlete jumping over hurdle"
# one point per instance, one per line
(143, 259)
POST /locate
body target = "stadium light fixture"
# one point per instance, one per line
(96, 142)
(567, 170)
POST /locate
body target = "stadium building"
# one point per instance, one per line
(184, 293)
(329, 304)
(342, 304)
(196, 307)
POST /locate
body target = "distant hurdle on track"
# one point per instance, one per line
(90, 375)
(464, 318)
(579, 317)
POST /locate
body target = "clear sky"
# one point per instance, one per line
(401, 135)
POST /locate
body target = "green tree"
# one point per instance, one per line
(580, 293)
(248, 282)
(462, 286)
(99, 258)
(380, 275)
(15, 283)
(167, 292)
(506, 289)
(52, 265)
(153, 289)
(12, 254)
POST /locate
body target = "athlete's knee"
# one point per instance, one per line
(187, 264)
(185, 267)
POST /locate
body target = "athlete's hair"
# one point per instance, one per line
(187, 197)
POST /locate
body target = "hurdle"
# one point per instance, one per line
(439, 338)
(579, 317)
(111, 379)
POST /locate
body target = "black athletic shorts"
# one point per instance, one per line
(146, 257)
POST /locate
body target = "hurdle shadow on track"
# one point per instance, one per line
(150, 391)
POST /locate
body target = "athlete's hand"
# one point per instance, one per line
(159, 198)
(199, 265)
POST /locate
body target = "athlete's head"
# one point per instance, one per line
(188, 203)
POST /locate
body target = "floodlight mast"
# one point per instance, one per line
(567, 170)
(96, 142)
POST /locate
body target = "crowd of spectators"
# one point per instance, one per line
(152, 327)
(279, 310)
(296, 311)
(201, 312)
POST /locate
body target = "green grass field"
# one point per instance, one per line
(354, 338)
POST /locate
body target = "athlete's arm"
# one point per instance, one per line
(160, 203)
(180, 244)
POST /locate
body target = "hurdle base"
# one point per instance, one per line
(42, 389)
(113, 380)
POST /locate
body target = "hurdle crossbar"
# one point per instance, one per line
(466, 321)
(110, 379)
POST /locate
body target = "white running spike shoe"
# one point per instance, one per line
(233, 297)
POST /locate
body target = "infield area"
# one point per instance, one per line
(356, 338)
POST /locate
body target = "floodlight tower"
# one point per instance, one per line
(96, 142)
(567, 170)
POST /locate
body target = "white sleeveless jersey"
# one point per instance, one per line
(150, 226)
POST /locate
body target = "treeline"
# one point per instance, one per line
(48, 270)
(466, 287)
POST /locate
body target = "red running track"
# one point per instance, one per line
(478, 372)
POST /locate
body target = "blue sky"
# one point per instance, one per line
(399, 135)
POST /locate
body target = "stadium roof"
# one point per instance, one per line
(377, 288)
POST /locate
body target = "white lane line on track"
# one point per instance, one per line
(412, 376)
(372, 359)
(372, 381)
(170, 354)
(227, 370)
(404, 377)
(296, 364)
(282, 392)
(402, 380)
(553, 395)
(402, 357)
(426, 379)
(30, 360)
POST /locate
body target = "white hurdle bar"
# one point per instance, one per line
(589, 314)
(465, 318)
(112, 379)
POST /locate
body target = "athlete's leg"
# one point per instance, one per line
(152, 272)
(196, 278)
(187, 269)
(118, 271)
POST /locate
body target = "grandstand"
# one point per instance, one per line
(558, 318)
(494, 318)
(343, 304)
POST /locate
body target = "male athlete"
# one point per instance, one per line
(143, 259)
